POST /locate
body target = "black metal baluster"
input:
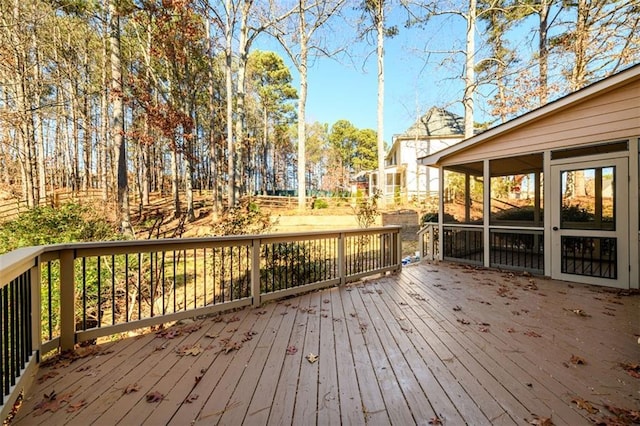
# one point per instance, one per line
(84, 293)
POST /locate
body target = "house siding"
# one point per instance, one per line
(610, 116)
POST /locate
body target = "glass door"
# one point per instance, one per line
(590, 224)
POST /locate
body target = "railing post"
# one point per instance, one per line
(431, 245)
(255, 273)
(398, 253)
(36, 307)
(342, 264)
(67, 301)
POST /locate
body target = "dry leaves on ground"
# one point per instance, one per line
(155, 396)
(75, 406)
(51, 402)
(463, 321)
(312, 357)
(624, 415)
(193, 350)
(435, 421)
(632, 369)
(232, 346)
(47, 376)
(292, 350)
(64, 359)
(584, 405)
(532, 334)
(541, 421)
(578, 312)
(131, 388)
(576, 360)
(191, 398)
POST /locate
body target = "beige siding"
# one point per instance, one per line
(610, 116)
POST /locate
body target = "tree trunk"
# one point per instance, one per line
(469, 78)
(302, 103)
(103, 146)
(177, 211)
(380, 53)
(543, 51)
(243, 55)
(579, 71)
(117, 129)
(231, 174)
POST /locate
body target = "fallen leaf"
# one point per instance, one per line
(579, 312)
(191, 398)
(261, 312)
(51, 402)
(83, 368)
(633, 369)
(232, 346)
(249, 335)
(211, 335)
(131, 388)
(511, 330)
(435, 421)
(312, 358)
(191, 328)
(155, 396)
(584, 405)
(192, 350)
(463, 321)
(531, 334)
(47, 376)
(575, 359)
(457, 308)
(291, 350)
(406, 330)
(72, 408)
(541, 421)
(232, 319)
(484, 329)
(628, 416)
(326, 301)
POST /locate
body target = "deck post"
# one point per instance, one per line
(255, 273)
(67, 297)
(36, 326)
(342, 264)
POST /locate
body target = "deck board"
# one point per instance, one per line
(390, 351)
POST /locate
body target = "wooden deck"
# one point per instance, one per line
(434, 343)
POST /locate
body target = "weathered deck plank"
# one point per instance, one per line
(441, 341)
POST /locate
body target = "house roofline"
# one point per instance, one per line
(598, 88)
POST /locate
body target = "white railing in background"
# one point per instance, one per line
(428, 241)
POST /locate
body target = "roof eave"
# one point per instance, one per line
(598, 88)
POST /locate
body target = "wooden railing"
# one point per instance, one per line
(52, 297)
(428, 241)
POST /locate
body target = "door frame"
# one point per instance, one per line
(621, 232)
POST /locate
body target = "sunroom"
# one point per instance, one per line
(553, 192)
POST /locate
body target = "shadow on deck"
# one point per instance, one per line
(443, 343)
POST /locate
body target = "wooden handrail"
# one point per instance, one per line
(352, 254)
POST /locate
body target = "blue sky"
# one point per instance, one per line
(346, 87)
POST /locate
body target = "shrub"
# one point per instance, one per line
(43, 225)
(367, 210)
(432, 217)
(319, 203)
(245, 219)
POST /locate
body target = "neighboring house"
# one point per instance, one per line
(405, 178)
(576, 159)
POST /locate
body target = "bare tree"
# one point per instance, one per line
(117, 121)
(308, 19)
